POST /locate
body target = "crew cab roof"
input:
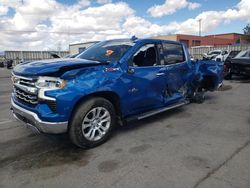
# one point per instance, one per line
(146, 40)
(159, 40)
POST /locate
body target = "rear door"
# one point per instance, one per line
(177, 71)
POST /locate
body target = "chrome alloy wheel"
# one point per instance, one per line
(96, 123)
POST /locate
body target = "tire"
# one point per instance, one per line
(218, 59)
(85, 114)
(198, 97)
(228, 77)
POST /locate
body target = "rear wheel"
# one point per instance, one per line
(198, 96)
(93, 123)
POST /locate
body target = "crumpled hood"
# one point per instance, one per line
(55, 67)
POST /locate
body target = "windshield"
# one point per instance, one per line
(107, 51)
(243, 54)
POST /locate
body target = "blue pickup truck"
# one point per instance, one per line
(111, 83)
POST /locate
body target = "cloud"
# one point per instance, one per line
(192, 6)
(10, 3)
(92, 19)
(3, 10)
(143, 28)
(84, 3)
(242, 11)
(212, 19)
(30, 13)
(104, 1)
(170, 7)
(209, 19)
(50, 24)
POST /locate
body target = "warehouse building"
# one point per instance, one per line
(209, 40)
(21, 56)
(79, 47)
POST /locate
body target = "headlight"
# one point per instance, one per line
(50, 83)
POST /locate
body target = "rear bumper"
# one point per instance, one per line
(33, 121)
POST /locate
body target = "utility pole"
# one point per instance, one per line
(199, 26)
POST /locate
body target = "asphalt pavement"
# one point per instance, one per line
(198, 145)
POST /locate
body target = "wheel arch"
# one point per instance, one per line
(111, 96)
(209, 82)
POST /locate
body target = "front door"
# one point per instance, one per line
(147, 80)
(177, 72)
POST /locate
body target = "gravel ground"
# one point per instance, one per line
(198, 145)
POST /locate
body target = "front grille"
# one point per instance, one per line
(25, 82)
(25, 96)
(25, 90)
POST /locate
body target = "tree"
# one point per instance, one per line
(246, 30)
(238, 41)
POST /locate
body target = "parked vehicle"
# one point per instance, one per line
(227, 64)
(2, 61)
(216, 55)
(239, 65)
(54, 55)
(112, 82)
(9, 64)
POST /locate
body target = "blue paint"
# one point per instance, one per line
(138, 92)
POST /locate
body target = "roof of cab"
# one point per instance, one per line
(146, 40)
(158, 40)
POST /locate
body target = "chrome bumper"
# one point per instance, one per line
(33, 121)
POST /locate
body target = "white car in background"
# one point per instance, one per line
(216, 55)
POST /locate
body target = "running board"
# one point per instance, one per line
(153, 112)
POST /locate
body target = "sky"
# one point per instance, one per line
(54, 24)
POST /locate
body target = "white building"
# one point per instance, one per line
(79, 47)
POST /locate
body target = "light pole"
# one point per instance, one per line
(199, 26)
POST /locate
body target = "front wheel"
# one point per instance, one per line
(93, 123)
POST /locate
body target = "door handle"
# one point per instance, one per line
(160, 74)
